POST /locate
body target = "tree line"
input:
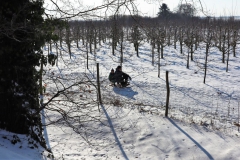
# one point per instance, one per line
(159, 33)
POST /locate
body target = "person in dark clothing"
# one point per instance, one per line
(121, 77)
(111, 77)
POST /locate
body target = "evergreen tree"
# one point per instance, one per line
(163, 11)
(21, 40)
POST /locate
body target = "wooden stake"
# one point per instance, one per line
(168, 95)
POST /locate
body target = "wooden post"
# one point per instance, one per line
(56, 52)
(98, 84)
(87, 53)
(121, 53)
(168, 94)
(152, 54)
(238, 116)
(158, 64)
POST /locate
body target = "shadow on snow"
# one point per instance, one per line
(114, 133)
(126, 91)
(193, 140)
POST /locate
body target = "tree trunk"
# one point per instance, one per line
(234, 50)
(113, 48)
(87, 54)
(175, 39)
(69, 50)
(90, 45)
(56, 52)
(161, 51)
(188, 57)
(192, 52)
(223, 51)
(152, 55)
(181, 47)
(137, 49)
(228, 49)
(121, 53)
(158, 64)
(158, 47)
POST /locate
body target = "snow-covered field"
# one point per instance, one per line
(202, 121)
(16, 147)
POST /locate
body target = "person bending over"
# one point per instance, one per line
(121, 77)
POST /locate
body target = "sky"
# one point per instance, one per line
(150, 8)
(213, 7)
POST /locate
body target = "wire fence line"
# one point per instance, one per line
(216, 110)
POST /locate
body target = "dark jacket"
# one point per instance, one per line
(111, 77)
(119, 76)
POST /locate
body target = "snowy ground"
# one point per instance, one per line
(16, 147)
(202, 117)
